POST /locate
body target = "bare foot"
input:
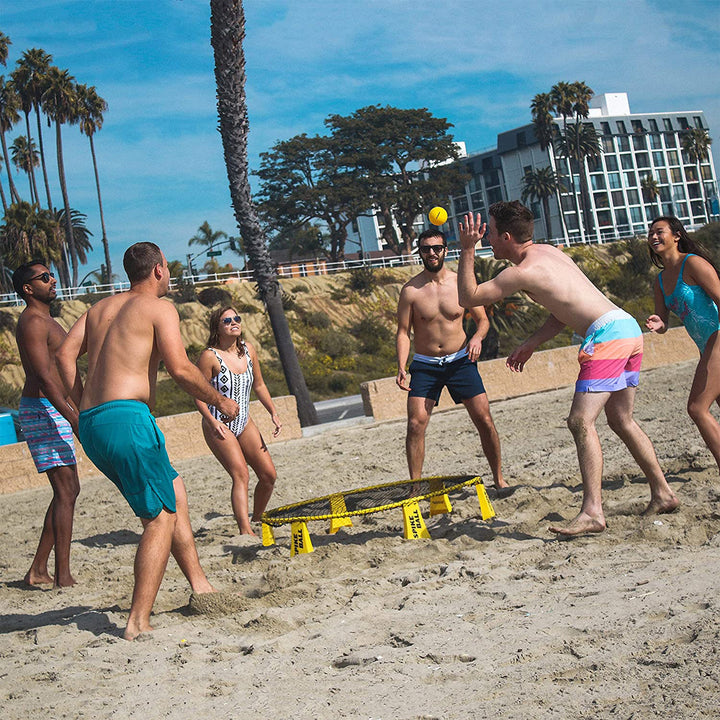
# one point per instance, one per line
(661, 506)
(581, 525)
(133, 631)
(248, 531)
(500, 484)
(65, 581)
(38, 578)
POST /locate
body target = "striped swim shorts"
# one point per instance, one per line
(611, 354)
(48, 434)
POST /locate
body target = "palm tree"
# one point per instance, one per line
(90, 109)
(9, 115)
(25, 157)
(29, 232)
(579, 142)
(205, 235)
(650, 189)
(545, 129)
(542, 184)
(227, 19)
(5, 44)
(81, 233)
(60, 102)
(30, 78)
(696, 143)
(2, 192)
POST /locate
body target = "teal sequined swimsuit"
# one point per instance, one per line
(694, 307)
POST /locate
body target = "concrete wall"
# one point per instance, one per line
(547, 370)
(183, 439)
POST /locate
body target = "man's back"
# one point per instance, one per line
(122, 343)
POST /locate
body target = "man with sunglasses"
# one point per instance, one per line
(429, 308)
(125, 337)
(48, 419)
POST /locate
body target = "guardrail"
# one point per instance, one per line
(299, 269)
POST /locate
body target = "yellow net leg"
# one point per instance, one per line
(486, 509)
(337, 507)
(413, 522)
(300, 539)
(268, 536)
(439, 504)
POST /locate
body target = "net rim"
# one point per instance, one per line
(268, 516)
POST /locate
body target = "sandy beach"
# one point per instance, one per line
(491, 619)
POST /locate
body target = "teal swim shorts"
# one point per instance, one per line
(124, 442)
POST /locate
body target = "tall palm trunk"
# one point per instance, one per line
(14, 195)
(227, 34)
(42, 159)
(69, 237)
(108, 265)
(2, 196)
(31, 170)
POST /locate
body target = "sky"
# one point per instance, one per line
(476, 63)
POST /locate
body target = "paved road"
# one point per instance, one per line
(339, 409)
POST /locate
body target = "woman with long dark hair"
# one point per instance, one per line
(689, 287)
(231, 366)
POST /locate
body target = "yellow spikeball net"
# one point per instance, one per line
(338, 508)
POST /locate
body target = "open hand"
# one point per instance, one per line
(472, 230)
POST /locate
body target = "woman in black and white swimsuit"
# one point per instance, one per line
(232, 368)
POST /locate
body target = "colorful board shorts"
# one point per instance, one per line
(611, 354)
(124, 442)
(429, 375)
(49, 435)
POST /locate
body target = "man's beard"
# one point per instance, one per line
(437, 268)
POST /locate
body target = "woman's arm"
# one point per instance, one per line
(261, 391)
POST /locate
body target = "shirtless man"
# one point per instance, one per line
(610, 355)
(428, 306)
(48, 419)
(126, 336)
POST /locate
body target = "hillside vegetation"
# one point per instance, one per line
(343, 325)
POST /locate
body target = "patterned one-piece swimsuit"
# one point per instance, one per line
(236, 386)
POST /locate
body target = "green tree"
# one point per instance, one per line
(227, 35)
(650, 188)
(579, 142)
(5, 44)
(29, 232)
(540, 185)
(306, 241)
(60, 102)
(696, 143)
(2, 191)
(81, 233)
(91, 108)
(30, 78)
(302, 180)
(25, 157)
(405, 157)
(9, 115)
(206, 236)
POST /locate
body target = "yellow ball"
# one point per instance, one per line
(437, 216)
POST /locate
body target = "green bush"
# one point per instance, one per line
(184, 292)
(362, 280)
(335, 344)
(317, 319)
(371, 333)
(9, 395)
(212, 296)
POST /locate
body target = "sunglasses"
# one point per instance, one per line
(45, 277)
(231, 320)
(426, 249)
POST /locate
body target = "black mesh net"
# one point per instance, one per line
(367, 500)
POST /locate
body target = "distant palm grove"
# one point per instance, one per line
(33, 226)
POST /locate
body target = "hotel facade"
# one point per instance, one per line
(635, 148)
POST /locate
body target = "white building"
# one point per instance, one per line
(634, 147)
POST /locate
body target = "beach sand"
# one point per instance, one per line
(487, 620)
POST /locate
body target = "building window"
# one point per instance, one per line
(617, 198)
(460, 205)
(637, 126)
(627, 162)
(606, 142)
(630, 179)
(567, 202)
(670, 140)
(665, 193)
(492, 178)
(601, 200)
(597, 182)
(667, 122)
(633, 197)
(477, 202)
(605, 128)
(662, 175)
(672, 157)
(623, 143)
(679, 192)
(705, 172)
(639, 142)
(698, 121)
(527, 169)
(621, 127)
(495, 195)
(681, 209)
(655, 141)
(594, 164)
(691, 173)
(614, 181)
(611, 162)
(684, 125)
(676, 175)
(653, 125)
(621, 216)
(643, 160)
(604, 218)
(520, 139)
(636, 214)
(658, 158)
